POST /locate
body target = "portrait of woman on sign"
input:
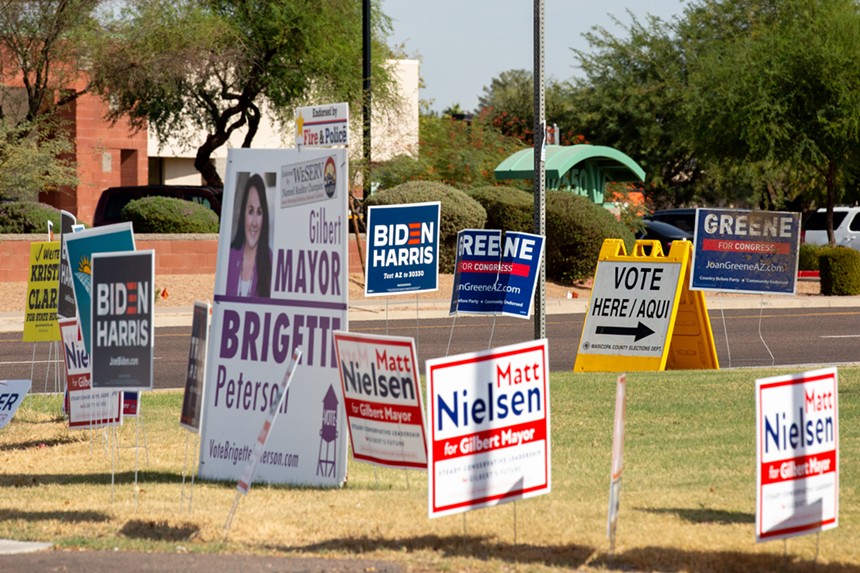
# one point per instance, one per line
(249, 270)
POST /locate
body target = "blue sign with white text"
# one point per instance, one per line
(402, 249)
(745, 251)
(495, 274)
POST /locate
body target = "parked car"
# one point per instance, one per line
(663, 232)
(684, 218)
(846, 227)
(113, 199)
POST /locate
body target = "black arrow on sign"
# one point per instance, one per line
(640, 331)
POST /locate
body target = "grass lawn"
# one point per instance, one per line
(687, 502)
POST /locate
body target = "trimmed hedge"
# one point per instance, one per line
(575, 230)
(839, 271)
(23, 217)
(807, 257)
(169, 215)
(508, 208)
(459, 211)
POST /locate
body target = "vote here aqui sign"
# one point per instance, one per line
(631, 309)
(489, 427)
(797, 450)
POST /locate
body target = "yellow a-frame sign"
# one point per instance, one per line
(642, 315)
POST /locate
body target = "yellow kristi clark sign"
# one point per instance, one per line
(40, 316)
(641, 315)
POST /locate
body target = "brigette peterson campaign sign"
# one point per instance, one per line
(745, 251)
(66, 302)
(489, 427)
(280, 283)
(382, 399)
(402, 249)
(87, 408)
(797, 451)
(122, 320)
(81, 246)
(496, 276)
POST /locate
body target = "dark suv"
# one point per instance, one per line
(113, 199)
(684, 218)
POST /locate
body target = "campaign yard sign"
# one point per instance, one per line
(40, 318)
(402, 249)
(81, 246)
(797, 454)
(12, 393)
(66, 302)
(290, 207)
(87, 408)
(192, 399)
(382, 399)
(122, 319)
(323, 125)
(495, 275)
(745, 251)
(489, 427)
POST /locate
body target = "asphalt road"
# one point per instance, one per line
(748, 337)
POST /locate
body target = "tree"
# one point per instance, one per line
(31, 161)
(185, 66)
(630, 98)
(509, 104)
(777, 81)
(43, 44)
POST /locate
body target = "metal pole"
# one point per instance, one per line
(539, 161)
(365, 110)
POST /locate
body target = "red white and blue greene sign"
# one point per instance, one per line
(745, 251)
(496, 274)
(402, 249)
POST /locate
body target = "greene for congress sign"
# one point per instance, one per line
(745, 251)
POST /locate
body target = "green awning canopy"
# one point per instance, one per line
(562, 158)
(584, 169)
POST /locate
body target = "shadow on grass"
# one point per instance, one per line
(64, 516)
(474, 547)
(672, 560)
(62, 441)
(28, 480)
(702, 515)
(159, 530)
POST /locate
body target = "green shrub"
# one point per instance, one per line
(807, 257)
(169, 215)
(458, 212)
(508, 208)
(18, 217)
(575, 230)
(399, 170)
(840, 271)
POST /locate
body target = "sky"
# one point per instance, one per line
(464, 44)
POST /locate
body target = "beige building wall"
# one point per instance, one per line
(393, 133)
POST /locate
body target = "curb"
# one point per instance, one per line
(9, 547)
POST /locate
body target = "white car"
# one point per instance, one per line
(846, 227)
